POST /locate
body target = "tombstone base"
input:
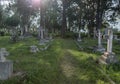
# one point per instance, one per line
(34, 49)
(6, 69)
(42, 42)
(46, 40)
(108, 58)
(79, 40)
(100, 49)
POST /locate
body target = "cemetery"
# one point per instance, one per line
(59, 42)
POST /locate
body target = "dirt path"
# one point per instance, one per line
(67, 67)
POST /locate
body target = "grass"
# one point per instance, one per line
(61, 63)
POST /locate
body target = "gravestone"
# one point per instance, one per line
(34, 49)
(79, 36)
(42, 31)
(6, 67)
(42, 39)
(115, 37)
(100, 48)
(108, 56)
(51, 37)
(4, 52)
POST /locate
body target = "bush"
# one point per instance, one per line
(84, 35)
(118, 34)
(2, 33)
(35, 34)
(71, 35)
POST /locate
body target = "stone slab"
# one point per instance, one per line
(6, 69)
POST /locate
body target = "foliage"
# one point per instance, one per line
(71, 35)
(12, 21)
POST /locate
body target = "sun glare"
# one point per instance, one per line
(36, 2)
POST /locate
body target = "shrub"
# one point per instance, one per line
(2, 33)
(71, 35)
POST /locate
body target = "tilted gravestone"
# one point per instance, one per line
(6, 67)
(108, 56)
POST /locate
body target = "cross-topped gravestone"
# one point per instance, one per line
(100, 48)
(109, 56)
(109, 41)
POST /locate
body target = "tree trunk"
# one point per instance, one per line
(64, 25)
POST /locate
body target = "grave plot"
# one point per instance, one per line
(45, 39)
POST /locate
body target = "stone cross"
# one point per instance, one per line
(109, 40)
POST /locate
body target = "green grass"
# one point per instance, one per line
(62, 63)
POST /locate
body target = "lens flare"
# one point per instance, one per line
(36, 3)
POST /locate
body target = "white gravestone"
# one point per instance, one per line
(6, 67)
(100, 48)
(42, 33)
(79, 36)
(42, 40)
(109, 56)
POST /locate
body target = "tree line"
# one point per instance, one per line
(58, 15)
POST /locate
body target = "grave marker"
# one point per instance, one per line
(79, 36)
(6, 67)
(108, 56)
(34, 49)
(100, 48)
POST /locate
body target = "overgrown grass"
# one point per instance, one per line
(62, 63)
